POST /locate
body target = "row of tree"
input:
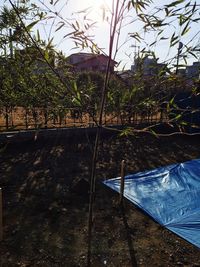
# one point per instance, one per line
(33, 75)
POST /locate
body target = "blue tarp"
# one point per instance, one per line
(170, 195)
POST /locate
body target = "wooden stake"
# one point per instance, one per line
(1, 216)
(122, 181)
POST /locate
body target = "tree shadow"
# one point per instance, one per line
(129, 232)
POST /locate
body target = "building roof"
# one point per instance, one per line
(90, 56)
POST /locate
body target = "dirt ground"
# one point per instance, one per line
(45, 209)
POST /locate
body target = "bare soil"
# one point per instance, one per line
(45, 211)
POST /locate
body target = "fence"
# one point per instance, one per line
(23, 119)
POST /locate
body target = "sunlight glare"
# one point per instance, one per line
(95, 8)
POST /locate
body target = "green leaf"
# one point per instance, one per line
(126, 132)
(194, 7)
(77, 24)
(153, 43)
(129, 5)
(171, 101)
(50, 43)
(186, 29)
(178, 117)
(46, 55)
(76, 101)
(136, 36)
(70, 33)
(154, 133)
(31, 25)
(38, 36)
(188, 4)
(174, 39)
(167, 11)
(61, 25)
(175, 3)
(181, 20)
(183, 123)
(193, 54)
(56, 2)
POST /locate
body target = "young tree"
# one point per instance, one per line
(183, 12)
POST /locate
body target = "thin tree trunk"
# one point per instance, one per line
(7, 118)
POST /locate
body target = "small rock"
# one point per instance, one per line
(179, 263)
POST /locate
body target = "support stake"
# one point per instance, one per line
(122, 181)
(1, 216)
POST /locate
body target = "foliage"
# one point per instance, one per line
(36, 85)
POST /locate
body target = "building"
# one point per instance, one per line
(193, 71)
(147, 66)
(90, 62)
(126, 76)
(181, 72)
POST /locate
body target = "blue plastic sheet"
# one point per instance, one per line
(170, 195)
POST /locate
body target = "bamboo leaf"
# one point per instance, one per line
(38, 36)
(154, 133)
(175, 3)
(31, 25)
(187, 5)
(126, 132)
(178, 117)
(171, 101)
(193, 54)
(56, 2)
(181, 20)
(194, 7)
(160, 32)
(174, 40)
(46, 55)
(76, 102)
(167, 11)
(129, 5)
(77, 24)
(70, 33)
(186, 29)
(61, 25)
(153, 43)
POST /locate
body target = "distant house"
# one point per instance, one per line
(181, 72)
(125, 75)
(193, 71)
(90, 62)
(147, 66)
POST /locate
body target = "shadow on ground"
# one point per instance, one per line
(45, 219)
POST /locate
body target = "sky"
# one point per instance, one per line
(70, 11)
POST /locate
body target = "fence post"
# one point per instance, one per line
(1, 216)
(122, 181)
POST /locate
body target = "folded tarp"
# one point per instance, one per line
(170, 195)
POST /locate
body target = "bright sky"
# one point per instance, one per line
(69, 10)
